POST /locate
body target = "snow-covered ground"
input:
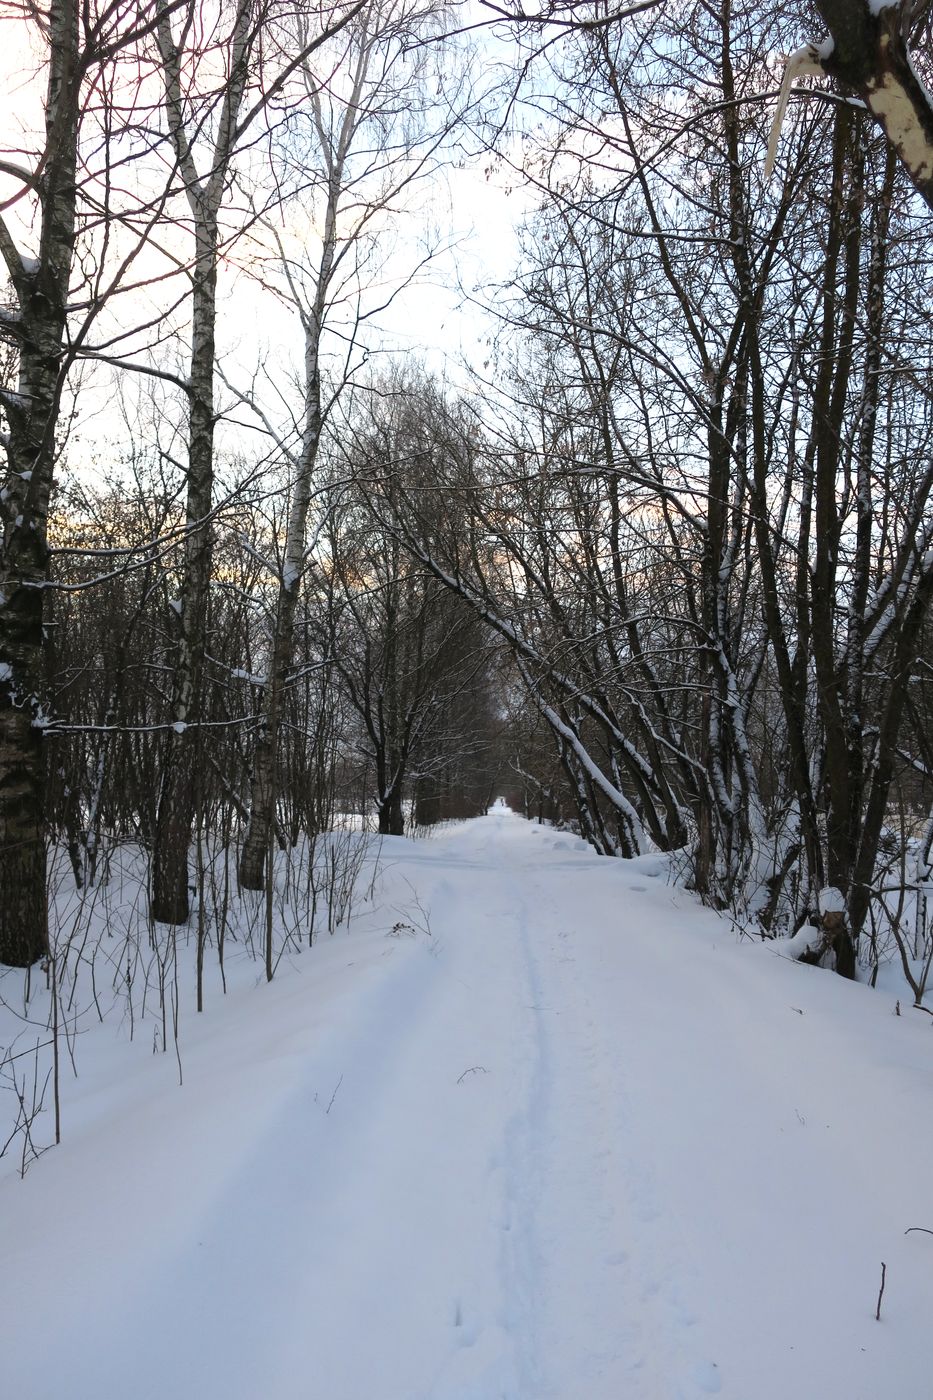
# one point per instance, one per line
(572, 1143)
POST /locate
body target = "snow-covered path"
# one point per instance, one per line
(576, 1144)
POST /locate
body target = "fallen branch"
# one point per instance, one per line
(474, 1069)
(333, 1096)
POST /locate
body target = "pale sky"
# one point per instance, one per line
(474, 208)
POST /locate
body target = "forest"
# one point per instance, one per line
(657, 567)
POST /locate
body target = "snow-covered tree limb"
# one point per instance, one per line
(869, 55)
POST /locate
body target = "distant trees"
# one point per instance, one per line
(711, 539)
(407, 650)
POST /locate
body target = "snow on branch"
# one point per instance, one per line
(807, 60)
(867, 54)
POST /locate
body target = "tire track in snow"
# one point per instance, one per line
(590, 1304)
(593, 1299)
(465, 1219)
(608, 1299)
(426, 1192)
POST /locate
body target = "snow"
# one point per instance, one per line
(806, 60)
(832, 901)
(806, 940)
(536, 1127)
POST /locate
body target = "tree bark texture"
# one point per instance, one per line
(41, 287)
(870, 56)
(176, 800)
(169, 892)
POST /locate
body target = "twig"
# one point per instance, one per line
(922, 1228)
(880, 1293)
(474, 1069)
(55, 1063)
(333, 1096)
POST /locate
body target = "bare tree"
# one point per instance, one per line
(67, 194)
(713, 563)
(405, 649)
(212, 122)
(373, 135)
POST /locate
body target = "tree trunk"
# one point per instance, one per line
(264, 784)
(42, 292)
(391, 815)
(176, 799)
(169, 894)
(870, 56)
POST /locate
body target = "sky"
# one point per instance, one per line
(473, 209)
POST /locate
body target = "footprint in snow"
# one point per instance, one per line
(466, 1335)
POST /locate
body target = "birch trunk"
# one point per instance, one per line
(169, 893)
(870, 56)
(41, 287)
(176, 800)
(264, 780)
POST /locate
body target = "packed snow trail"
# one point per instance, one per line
(575, 1143)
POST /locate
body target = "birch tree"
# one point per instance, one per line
(370, 139)
(208, 124)
(869, 53)
(61, 193)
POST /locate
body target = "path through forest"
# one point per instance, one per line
(575, 1143)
